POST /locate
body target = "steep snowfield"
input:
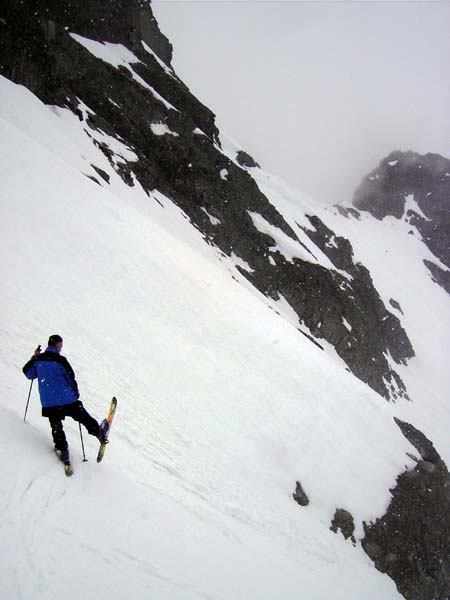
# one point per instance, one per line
(425, 315)
(223, 404)
(393, 251)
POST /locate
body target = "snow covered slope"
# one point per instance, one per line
(216, 420)
(393, 251)
(424, 310)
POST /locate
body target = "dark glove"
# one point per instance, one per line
(37, 351)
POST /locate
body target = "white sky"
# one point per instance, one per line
(318, 92)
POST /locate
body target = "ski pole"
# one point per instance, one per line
(28, 401)
(36, 353)
(82, 443)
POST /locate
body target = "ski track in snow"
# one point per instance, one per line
(222, 403)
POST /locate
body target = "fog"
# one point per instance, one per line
(318, 92)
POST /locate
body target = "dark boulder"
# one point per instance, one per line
(300, 495)
(343, 522)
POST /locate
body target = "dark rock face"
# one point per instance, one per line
(36, 49)
(118, 21)
(362, 330)
(425, 177)
(438, 275)
(411, 542)
(345, 311)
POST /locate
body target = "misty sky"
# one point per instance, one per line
(318, 92)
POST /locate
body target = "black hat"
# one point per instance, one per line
(54, 339)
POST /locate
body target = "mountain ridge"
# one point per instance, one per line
(416, 188)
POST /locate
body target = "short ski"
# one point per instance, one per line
(112, 410)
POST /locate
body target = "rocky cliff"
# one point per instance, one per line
(411, 542)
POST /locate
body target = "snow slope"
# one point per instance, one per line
(394, 253)
(425, 315)
(223, 404)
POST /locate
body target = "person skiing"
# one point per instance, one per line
(58, 391)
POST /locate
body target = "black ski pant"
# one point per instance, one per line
(57, 414)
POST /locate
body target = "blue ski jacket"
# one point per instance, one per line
(57, 384)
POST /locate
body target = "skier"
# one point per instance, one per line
(59, 395)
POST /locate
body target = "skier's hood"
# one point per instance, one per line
(53, 349)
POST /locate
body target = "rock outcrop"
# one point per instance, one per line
(411, 542)
(300, 496)
(343, 522)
